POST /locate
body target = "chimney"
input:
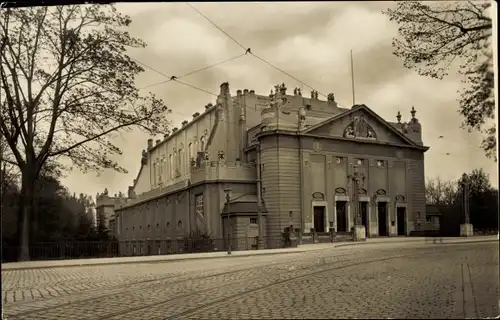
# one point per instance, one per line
(224, 89)
(150, 144)
(131, 193)
(196, 114)
(238, 92)
(184, 123)
(252, 92)
(158, 141)
(245, 92)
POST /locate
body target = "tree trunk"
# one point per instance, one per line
(26, 203)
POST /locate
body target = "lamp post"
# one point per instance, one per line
(357, 177)
(227, 191)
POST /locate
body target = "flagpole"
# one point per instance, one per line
(352, 82)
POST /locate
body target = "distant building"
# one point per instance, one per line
(309, 151)
(105, 210)
(433, 217)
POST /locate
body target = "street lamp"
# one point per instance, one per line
(357, 178)
(227, 191)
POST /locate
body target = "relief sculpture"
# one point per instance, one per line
(359, 128)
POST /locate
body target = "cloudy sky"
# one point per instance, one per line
(308, 40)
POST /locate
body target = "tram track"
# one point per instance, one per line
(124, 289)
(154, 287)
(116, 315)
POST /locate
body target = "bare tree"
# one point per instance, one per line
(67, 88)
(433, 35)
(9, 175)
(440, 192)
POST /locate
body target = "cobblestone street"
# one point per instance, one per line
(410, 280)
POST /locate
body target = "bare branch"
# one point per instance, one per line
(431, 38)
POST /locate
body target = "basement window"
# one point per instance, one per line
(359, 162)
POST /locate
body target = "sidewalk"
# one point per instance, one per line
(235, 254)
(162, 258)
(445, 240)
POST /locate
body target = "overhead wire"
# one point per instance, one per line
(215, 25)
(173, 78)
(248, 50)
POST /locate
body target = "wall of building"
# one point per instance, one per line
(281, 187)
(170, 160)
(175, 215)
(400, 174)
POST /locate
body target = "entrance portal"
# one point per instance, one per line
(319, 219)
(363, 210)
(401, 216)
(382, 219)
(341, 208)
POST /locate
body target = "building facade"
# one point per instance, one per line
(105, 210)
(288, 160)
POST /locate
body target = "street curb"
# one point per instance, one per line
(159, 261)
(414, 241)
(368, 242)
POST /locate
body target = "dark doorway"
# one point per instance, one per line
(363, 210)
(319, 219)
(341, 207)
(401, 212)
(382, 219)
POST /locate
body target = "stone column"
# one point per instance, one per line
(466, 229)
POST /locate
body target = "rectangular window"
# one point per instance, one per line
(253, 220)
(199, 205)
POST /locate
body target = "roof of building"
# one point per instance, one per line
(433, 210)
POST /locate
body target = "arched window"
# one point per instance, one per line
(170, 166)
(175, 163)
(179, 224)
(162, 169)
(180, 162)
(154, 174)
(168, 225)
(190, 153)
(202, 144)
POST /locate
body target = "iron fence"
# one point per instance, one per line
(148, 247)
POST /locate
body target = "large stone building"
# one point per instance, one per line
(301, 156)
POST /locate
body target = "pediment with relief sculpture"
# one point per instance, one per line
(360, 123)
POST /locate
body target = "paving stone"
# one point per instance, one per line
(413, 280)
